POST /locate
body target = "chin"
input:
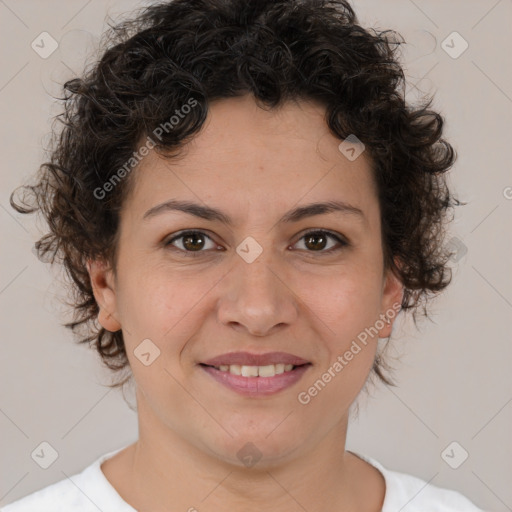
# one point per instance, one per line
(257, 447)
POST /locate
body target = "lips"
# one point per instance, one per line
(248, 359)
(256, 375)
(253, 384)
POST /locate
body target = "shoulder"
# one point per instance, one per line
(416, 495)
(421, 495)
(57, 497)
(87, 491)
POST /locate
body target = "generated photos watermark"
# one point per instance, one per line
(101, 192)
(304, 397)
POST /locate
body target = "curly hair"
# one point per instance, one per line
(175, 52)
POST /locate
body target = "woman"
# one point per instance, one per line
(244, 202)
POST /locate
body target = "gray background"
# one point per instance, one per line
(453, 374)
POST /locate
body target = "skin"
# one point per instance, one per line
(254, 165)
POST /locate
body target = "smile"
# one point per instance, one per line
(269, 370)
(257, 380)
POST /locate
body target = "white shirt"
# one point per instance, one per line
(90, 491)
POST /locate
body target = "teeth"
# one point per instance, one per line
(256, 371)
(267, 371)
(235, 369)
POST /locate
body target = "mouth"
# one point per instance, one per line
(240, 372)
(269, 370)
(250, 359)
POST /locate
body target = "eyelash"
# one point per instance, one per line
(343, 243)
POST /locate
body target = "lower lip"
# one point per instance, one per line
(257, 386)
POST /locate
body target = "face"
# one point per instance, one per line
(266, 281)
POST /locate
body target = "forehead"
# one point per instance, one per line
(246, 156)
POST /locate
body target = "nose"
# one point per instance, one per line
(256, 298)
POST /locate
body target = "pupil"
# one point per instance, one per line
(187, 238)
(316, 236)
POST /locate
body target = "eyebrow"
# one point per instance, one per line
(295, 215)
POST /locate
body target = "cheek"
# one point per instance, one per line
(347, 301)
(346, 309)
(165, 305)
(154, 303)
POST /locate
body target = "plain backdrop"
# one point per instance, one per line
(454, 379)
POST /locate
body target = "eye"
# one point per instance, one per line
(192, 243)
(317, 240)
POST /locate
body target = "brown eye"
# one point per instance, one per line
(191, 241)
(317, 241)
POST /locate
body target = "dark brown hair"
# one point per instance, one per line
(175, 52)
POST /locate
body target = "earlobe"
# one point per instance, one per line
(108, 321)
(102, 282)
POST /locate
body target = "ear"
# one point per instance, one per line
(103, 285)
(392, 294)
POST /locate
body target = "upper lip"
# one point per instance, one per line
(248, 359)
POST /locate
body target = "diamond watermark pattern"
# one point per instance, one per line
(146, 352)
(249, 454)
(457, 247)
(44, 45)
(44, 455)
(249, 249)
(454, 45)
(454, 455)
(351, 148)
